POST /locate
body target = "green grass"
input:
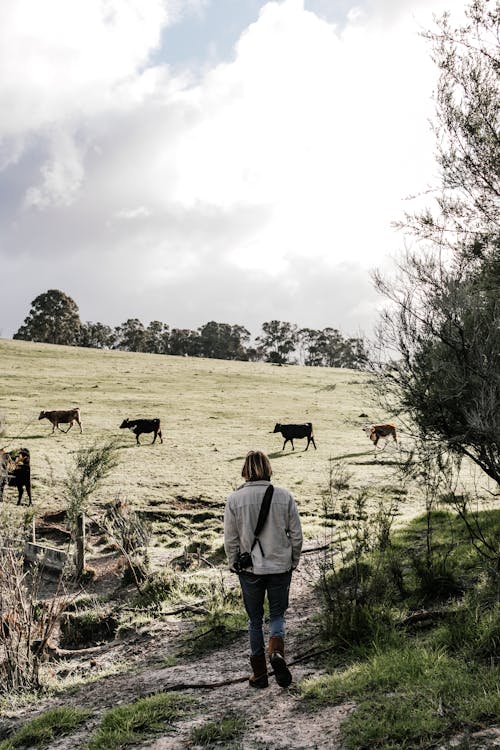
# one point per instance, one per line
(454, 561)
(42, 731)
(408, 696)
(223, 733)
(129, 724)
(413, 686)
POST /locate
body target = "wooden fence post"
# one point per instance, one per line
(80, 545)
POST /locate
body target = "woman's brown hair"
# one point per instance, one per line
(257, 466)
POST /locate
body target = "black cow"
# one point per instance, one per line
(15, 472)
(296, 431)
(138, 426)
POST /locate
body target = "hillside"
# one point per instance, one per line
(183, 640)
(212, 412)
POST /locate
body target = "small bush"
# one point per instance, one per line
(435, 579)
(471, 631)
(156, 590)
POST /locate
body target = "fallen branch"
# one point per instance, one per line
(54, 652)
(422, 616)
(316, 549)
(236, 680)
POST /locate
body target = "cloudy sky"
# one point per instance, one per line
(196, 160)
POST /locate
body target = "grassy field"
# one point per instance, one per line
(212, 412)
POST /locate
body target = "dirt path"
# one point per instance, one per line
(276, 719)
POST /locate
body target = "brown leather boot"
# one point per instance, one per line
(277, 658)
(259, 666)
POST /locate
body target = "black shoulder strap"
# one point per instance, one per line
(263, 513)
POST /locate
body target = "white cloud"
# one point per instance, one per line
(63, 58)
(62, 174)
(281, 169)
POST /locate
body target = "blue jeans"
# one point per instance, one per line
(254, 588)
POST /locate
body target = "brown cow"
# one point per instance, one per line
(377, 431)
(70, 416)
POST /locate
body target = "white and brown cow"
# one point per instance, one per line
(377, 431)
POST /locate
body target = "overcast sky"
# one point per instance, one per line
(197, 160)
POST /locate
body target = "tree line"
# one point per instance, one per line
(54, 319)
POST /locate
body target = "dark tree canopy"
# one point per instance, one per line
(328, 348)
(443, 325)
(97, 336)
(53, 319)
(278, 341)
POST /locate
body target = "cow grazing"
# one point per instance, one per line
(377, 431)
(15, 472)
(296, 431)
(138, 426)
(69, 416)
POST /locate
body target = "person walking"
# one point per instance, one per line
(272, 543)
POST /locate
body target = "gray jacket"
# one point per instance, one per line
(281, 537)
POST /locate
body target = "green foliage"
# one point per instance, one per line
(53, 319)
(357, 569)
(130, 336)
(329, 348)
(228, 729)
(444, 320)
(90, 467)
(223, 341)
(96, 336)
(129, 724)
(413, 680)
(278, 341)
(471, 630)
(45, 729)
(408, 696)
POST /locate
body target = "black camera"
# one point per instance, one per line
(243, 561)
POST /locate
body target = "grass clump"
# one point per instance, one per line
(157, 589)
(128, 725)
(223, 733)
(42, 731)
(90, 627)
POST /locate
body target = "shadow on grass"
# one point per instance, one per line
(23, 437)
(377, 461)
(353, 455)
(272, 456)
